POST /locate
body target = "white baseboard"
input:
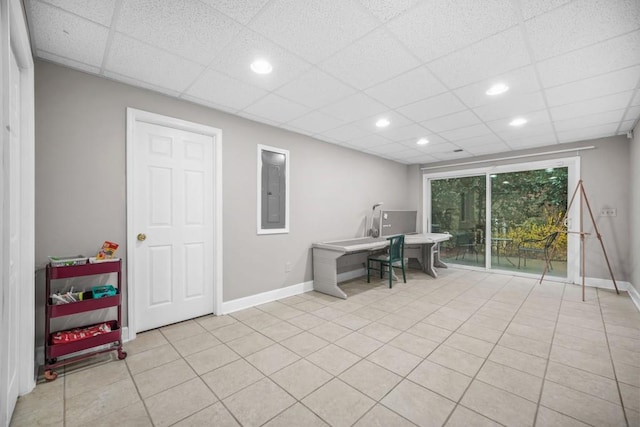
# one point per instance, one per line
(265, 297)
(603, 283)
(634, 295)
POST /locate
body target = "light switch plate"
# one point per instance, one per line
(609, 212)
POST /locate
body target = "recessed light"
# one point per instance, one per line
(497, 89)
(261, 66)
(422, 141)
(383, 123)
(519, 121)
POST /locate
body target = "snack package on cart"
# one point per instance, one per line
(80, 333)
(108, 251)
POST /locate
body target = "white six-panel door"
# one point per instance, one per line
(174, 225)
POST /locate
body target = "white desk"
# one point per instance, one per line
(327, 254)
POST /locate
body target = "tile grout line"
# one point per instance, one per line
(613, 366)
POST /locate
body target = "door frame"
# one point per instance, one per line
(135, 116)
(573, 243)
(15, 39)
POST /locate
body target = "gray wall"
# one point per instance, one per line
(634, 179)
(81, 183)
(605, 172)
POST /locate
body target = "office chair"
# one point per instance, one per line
(395, 256)
(533, 246)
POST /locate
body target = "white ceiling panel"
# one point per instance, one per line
(369, 141)
(314, 30)
(315, 122)
(235, 60)
(240, 10)
(581, 23)
(495, 55)
(452, 121)
(466, 132)
(372, 59)
(511, 107)
(436, 106)
(345, 133)
(591, 106)
(611, 55)
(594, 87)
(220, 89)
(385, 10)
(338, 65)
(68, 62)
(531, 8)
(66, 35)
(590, 132)
(436, 28)
(407, 88)
(146, 63)
(354, 108)
(315, 89)
(187, 28)
(520, 81)
(99, 11)
(276, 108)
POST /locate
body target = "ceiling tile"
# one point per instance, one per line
(142, 62)
(396, 121)
(314, 30)
(220, 89)
(240, 10)
(587, 133)
(636, 98)
(436, 106)
(532, 130)
(141, 83)
(259, 119)
(483, 149)
(402, 133)
(600, 58)
(385, 149)
(354, 107)
(589, 121)
(424, 158)
(385, 10)
(495, 55)
(531, 8)
(532, 141)
(633, 113)
(618, 81)
(188, 28)
(407, 154)
(369, 141)
(315, 89)
(581, 23)
(511, 107)
(477, 140)
(374, 58)
(452, 121)
(276, 109)
(66, 35)
(315, 122)
(235, 60)
(534, 119)
(100, 11)
(628, 125)
(520, 81)
(466, 132)
(436, 28)
(345, 133)
(68, 62)
(432, 138)
(440, 148)
(452, 156)
(408, 87)
(210, 104)
(591, 106)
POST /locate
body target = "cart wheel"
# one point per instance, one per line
(50, 375)
(122, 354)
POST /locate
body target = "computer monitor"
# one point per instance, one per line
(394, 222)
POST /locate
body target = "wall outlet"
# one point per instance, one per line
(287, 267)
(609, 212)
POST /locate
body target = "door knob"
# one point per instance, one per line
(142, 237)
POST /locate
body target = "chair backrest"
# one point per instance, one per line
(548, 241)
(396, 247)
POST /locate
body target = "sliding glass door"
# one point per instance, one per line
(504, 218)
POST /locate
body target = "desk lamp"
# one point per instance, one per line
(373, 232)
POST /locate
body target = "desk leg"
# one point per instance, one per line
(435, 250)
(428, 262)
(325, 272)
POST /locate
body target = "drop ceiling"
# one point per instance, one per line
(572, 67)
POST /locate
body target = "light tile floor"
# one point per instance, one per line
(466, 349)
